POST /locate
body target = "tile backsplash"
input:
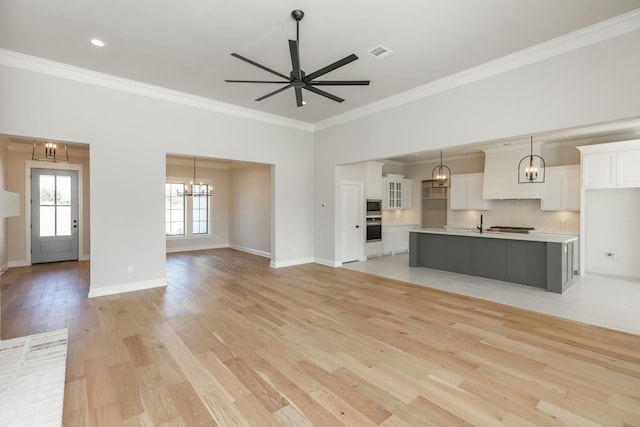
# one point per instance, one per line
(518, 213)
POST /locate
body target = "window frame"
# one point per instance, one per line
(188, 207)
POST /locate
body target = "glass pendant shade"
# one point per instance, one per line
(440, 176)
(49, 152)
(531, 169)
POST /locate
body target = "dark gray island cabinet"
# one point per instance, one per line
(543, 261)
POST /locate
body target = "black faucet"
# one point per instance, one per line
(480, 227)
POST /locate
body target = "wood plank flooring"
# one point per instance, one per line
(232, 342)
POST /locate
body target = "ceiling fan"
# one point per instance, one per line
(297, 78)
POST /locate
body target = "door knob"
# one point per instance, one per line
(357, 226)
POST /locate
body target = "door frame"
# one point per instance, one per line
(34, 164)
(361, 215)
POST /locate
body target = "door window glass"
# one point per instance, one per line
(55, 205)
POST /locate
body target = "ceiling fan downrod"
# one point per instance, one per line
(297, 15)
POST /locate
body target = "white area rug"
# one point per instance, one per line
(32, 371)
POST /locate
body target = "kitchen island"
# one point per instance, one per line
(539, 260)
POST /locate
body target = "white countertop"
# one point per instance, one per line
(548, 238)
(398, 224)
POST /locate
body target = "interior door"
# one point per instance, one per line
(351, 222)
(54, 215)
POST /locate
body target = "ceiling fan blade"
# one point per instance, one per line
(253, 81)
(323, 93)
(274, 92)
(295, 57)
(340, 83)
(299, 97)
(322, 71)
(260, 66)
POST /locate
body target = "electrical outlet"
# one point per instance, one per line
(130, 269)
(609, 255)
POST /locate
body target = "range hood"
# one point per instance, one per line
(501, 173)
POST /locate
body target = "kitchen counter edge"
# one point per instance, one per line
(548, 238)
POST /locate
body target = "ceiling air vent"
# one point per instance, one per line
(380, 52)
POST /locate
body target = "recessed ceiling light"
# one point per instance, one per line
(97, 42)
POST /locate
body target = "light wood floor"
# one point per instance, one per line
(233, 342)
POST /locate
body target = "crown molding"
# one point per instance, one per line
(519, 146)
(436, 160)
(57, 69)
(204, 163)
(608, 29)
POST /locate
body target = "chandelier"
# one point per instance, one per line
(440, 175)
(48, 152)
(195, 189)
(531, 168)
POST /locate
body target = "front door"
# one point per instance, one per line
(54, 215)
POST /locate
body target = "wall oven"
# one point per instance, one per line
(374, 207)
(374, 229)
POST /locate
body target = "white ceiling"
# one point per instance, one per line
(186, 45)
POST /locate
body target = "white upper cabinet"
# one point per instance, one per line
(397, 192)
(501, 173)
(466, 192)
(599, 170)
(561, 189)
(393, 191)
(373, 180)
(613, 165)
(628, 168)
(407, 193)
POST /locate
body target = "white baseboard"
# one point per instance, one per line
(101, 291)
(21, 263)
(291, 262)
(327, 262)
(251, 251)
(3, 268)
(25, 263)
(197, 248)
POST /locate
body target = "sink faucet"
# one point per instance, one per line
(480, 227)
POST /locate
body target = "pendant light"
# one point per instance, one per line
(440, 175)
(48, 152)
(190, 189)
(531, 168)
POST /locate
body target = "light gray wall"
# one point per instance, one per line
(250, 208)
(593, 84)
(129, 136)
(612, 220)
